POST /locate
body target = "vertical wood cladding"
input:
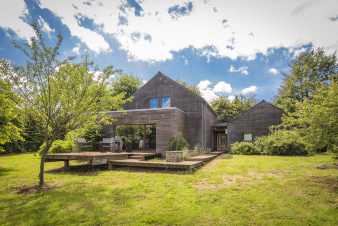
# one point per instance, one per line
(255, 121)
(168, 122)
(199, 117)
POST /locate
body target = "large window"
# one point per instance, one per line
(153, 103)
(165, 102)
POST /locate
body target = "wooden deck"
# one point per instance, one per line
(85, 156)
(190, 164)
(131, 159)
(161, 164)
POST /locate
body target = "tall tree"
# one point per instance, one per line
(9, 129)
(227, 110)
(123, 89)
(309, 71)
(62, 100)
(316, 119)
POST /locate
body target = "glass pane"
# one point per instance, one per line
(165, 102)
(248, 137)
(153, 103)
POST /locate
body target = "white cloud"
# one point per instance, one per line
(203, 84)
(237, 28)
(242, 70)
(273, 71)
(249, 90)
(210, 92)
(76, 49)
(222, 87)
(10, 14)
(231, 98)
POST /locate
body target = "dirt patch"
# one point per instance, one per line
(237, 180)
(31, 189)
(328, 166)
(330, 183)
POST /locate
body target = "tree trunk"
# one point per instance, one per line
(42, 164)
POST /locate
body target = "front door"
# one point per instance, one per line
(221, 141)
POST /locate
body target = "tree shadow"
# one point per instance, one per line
(88, 170)
(4, 171)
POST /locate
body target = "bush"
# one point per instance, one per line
(282, 143)
(244, 148)
(177, 143)
(59, 146)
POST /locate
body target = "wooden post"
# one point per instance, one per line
(144, 135)
(110, 165)
(66, 164)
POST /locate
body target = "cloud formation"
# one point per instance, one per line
(235, 28)
(249, 90)
(211, 92)
(273, 71)
(242, 70)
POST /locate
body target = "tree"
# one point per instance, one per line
(63, 100)
(309, 71)
(316, 119)
(227, 110)
(123, 89)
(192, 88)
(9, 113)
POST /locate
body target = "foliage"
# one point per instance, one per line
(62, 100)
(309, 70)
(178, 143)
(316, 119)
(191, 88)
(59, 146)
(227, 110)
(281, 143)
(123, 89)
(10, 130)
(244, 148)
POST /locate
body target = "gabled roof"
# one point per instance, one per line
(159, 75)
(263, 102)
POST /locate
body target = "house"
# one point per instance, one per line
(254, 122)
(170, 109)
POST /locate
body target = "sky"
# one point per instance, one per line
(224, 47)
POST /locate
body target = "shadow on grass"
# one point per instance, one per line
(4, 171)
(88, 170)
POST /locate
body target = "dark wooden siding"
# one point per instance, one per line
(256, 121)
(196, 131)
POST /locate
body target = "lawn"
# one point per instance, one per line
(245, 190)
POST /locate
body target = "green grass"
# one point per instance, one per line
(245, 190)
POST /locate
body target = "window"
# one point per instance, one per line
(153, 103)
(165, 102)
(247, 137)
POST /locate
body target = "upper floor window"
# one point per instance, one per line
(165, 102)
(153, 103)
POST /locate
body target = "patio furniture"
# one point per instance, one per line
(114, 144)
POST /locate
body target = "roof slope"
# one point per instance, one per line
(160, 75)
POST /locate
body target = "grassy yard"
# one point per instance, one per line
(245, 190)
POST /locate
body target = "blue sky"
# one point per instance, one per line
(225, 47)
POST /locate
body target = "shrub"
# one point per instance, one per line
(177, 143)
(59, 146)
(281, 142)
(244, 148)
